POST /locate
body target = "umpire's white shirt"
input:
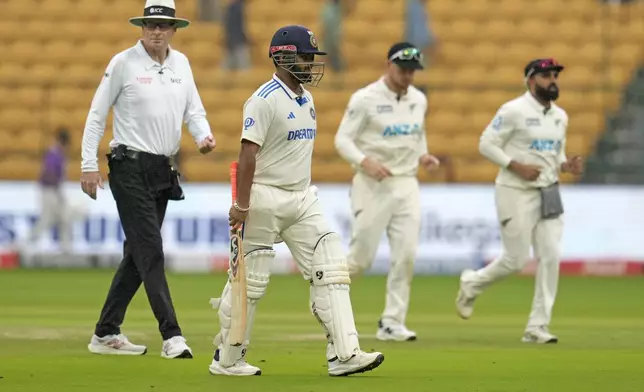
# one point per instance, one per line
(524, 131)
(383, 126)
(284, 125)
(150, 103)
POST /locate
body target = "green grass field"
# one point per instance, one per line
(47, 317)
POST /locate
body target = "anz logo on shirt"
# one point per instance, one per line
(402, 130)
(543, 145)
(301, 134)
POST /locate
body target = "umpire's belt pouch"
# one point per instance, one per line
(175, 193)
(551, 204)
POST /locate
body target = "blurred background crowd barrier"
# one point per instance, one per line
(55, 53)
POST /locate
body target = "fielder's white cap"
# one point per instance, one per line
(159, 10)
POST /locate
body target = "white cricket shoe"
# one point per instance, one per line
(359, 363)
(539, 335)
(115, 345)
(465, 299)
(398, 333)
(239, 368)
(176, 347)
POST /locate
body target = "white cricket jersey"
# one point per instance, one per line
(379, 124)
(525, 131)
(284, 125)
(150, 103)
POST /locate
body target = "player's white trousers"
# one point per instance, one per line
(296, 217)
(392, 206)
(519, 215)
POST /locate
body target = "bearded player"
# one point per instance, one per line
(527, 140)
(275, 200)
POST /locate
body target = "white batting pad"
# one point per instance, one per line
(258, 267)
(330, 300)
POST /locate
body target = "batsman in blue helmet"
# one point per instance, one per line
(276, 202)
(293, 50)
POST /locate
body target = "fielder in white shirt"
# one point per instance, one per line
(527, 139)
(152, 90)
(382, 135)
(275, 199)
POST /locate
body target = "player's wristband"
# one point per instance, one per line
(238, 208)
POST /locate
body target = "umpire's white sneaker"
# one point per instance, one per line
(176, 347)
(115, 345)
(539, 335)
(398, 333)
(465, 299)
(239, 368)
(359, 363)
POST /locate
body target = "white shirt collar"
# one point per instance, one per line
(532, 101)
(389, 92)
(150, 63)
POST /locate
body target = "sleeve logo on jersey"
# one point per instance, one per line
(497, 123)
(402, 130)
(248, 122)
(312, 111)
(301, 134)
(543, 145)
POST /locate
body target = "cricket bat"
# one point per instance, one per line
(237, 276)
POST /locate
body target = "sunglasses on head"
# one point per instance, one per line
(407, 54)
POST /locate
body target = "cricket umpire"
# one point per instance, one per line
(527, 140)
(152, 90)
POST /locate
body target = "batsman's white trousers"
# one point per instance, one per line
(297, 215)
(392, 206)
(519, 213)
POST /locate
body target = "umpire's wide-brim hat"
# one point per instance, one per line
(159, 10)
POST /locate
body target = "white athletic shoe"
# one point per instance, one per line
(359, 363)
(115, 345)
(539, 335)
(239, 368)
(398, 333)
(176, 347)
(464, 298)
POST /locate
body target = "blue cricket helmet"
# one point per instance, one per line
(288, 45)
(295, 38)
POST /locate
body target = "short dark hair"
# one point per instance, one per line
(62, 135)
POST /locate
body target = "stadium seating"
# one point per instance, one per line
(55, 57)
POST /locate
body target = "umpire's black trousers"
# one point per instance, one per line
(141, 185)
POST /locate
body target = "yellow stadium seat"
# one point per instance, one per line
(204, 168)
(500, 31)
(474, 170)
(579, 144)
(20, 10)
(334, 171)
(60, 52)
(19, 167)
(325, 144)
(439, 143)
(464, 31)
(27, 97)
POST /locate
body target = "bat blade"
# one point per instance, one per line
(238, 291)
(237, 277)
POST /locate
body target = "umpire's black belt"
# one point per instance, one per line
(121, 151)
